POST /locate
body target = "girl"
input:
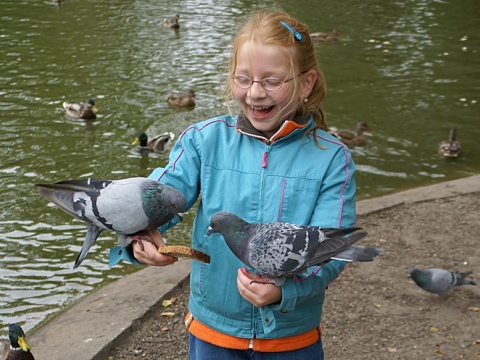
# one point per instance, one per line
(274, 161)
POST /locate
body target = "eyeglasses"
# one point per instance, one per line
(268, 84)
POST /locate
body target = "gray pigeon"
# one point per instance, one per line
(439, 281)
(280, 249)
(126, 206)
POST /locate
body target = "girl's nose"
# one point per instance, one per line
(256, 91)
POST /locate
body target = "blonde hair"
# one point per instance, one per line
(266, 27)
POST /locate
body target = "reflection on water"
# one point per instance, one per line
(410, 70)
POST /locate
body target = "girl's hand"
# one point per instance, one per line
(255, 293)
(149, 254)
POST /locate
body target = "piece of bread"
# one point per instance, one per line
(184, 251)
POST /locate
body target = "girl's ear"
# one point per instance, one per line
(309, 79)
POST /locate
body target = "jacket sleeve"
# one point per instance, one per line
(182, 171)
(335, 207)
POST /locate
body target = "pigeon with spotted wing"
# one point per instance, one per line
(127, 207)
(439, 281)
(280, 249)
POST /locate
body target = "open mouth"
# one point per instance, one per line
(261, 111)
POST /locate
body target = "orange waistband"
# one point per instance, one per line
(214, 337)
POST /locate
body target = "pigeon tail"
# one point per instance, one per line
(92, 234)
(359, 253)
(462, 279)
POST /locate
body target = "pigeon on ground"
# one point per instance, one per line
(20, 349)
(439, 281)
(280, 249)
(126, 206)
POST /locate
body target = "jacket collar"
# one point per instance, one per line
(245, 127)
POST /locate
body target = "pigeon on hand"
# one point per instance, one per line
(127, 207)
(280, 249)
(20, 349)
(439, 281)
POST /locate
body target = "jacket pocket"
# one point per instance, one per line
(298, 200)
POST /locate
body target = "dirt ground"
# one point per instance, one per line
(372, 311)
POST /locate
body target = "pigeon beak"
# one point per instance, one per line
(210, 231)
(180, 215)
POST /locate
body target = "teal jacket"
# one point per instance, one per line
(231, 167)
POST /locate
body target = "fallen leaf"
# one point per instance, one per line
(440, 352)
(392, 350)
(170, 314)
(474, 308)
(378, 306)
(434, 330)
(165, 328)
(167, 303)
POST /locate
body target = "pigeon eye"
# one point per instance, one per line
(175, 206)
(216, 223)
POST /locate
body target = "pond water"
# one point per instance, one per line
(407, 68)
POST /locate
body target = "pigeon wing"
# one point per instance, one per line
(441, 281)
(114, 205)
(331, 247)
(278, 249)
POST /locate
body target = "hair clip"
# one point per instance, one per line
(295, 33)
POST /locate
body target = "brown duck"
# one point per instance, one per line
(322, 36)
(172, 23)
(450, 148)
(354, 139)
(185, 99)
(86, 110)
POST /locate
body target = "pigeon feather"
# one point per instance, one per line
(126, 206)
(280, 249)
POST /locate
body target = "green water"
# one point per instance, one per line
(410, 69)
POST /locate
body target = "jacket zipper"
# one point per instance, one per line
(265, 155)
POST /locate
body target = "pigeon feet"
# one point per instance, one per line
(142, 236)
(259, 279)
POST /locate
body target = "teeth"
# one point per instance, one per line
(261, 108)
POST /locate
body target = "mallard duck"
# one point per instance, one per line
(450, 148)
(4, 348)
(87, 110)
(20, 349)
(185, 99)
(321, 36)
(354, 139)
(157, 144)
(172, 22)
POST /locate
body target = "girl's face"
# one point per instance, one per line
(265, 109)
